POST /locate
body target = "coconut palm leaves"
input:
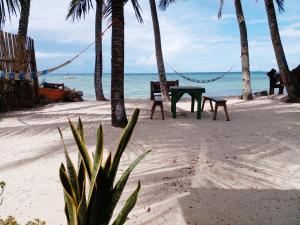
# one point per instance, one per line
(77, 10)
(280, 4)
(98, 206)
(135, 4)
(163, 4)
(7, 8)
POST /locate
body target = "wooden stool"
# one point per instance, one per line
(219, 102)
(157, 101)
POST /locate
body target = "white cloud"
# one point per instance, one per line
(292, 30)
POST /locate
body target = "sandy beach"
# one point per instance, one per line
(200, 172)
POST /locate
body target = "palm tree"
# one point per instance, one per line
(7, 7)
(159, 55)
(77, 9)
(24, 17)
(115, 9)
(287, 78)
(247, 92)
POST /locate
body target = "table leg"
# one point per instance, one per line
(175, 98)
(199, 99)
(193, 103)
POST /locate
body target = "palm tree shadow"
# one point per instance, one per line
(211, 206)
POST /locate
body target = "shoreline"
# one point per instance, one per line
(245, 171)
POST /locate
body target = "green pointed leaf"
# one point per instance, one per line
(66, 211)
(119, 187)
(97, 212)
(80, 130)
(66, 182)
(97, 159)
(99, 147)
(107, 165)
(69, 196)
(122, 145)
(71, 170)
(81, 176)
(71, 208)
(130, 203)
(82, 207)
(83, 150)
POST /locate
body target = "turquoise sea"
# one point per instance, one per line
(137, 85)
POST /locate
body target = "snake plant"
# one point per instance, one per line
(2, 185)
(96, 205)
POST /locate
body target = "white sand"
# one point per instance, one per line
(246, 171)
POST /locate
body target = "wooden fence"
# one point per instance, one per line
(17, 55)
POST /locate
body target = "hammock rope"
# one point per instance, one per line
(44, 72)
(33, 75)
(204, 81)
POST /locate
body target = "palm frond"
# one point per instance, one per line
(220, 9)
(163, 4)
(137, 9)
(135, 4)
(280, 4)
(79, 8)
(8, 8)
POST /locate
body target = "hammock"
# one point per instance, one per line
(33, 75)
(204, 81)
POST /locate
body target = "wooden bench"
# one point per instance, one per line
(155, 95)
(157, 102)
(219, 102)
(155, 87)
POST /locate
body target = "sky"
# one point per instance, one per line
(193, 38)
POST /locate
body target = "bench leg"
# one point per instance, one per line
(215, 112)
(162, 111)
(281, 88)
(152, 110)
(204, 99)
(211, 106)
(226, 112)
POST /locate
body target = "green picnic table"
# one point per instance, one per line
(195, 92)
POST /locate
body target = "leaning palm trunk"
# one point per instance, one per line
(287, 78)
(24, 18)
(22, 33)
(159, 56)
(98, 48)
(118, 113)
(247, 93)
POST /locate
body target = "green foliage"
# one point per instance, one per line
(12, 221)
(9, 221)
(2, 185)
(98, 206)
(36, 222)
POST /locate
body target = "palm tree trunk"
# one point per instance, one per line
(98, 52)
(287, 78)
(118, 113)
(22, 55)
(247, 92)
(24, 18)
(22, 33)
(159, 55)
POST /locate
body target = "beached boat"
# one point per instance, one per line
(59, 92)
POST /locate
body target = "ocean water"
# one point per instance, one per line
(137, 85)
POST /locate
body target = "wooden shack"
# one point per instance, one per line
(18, 80)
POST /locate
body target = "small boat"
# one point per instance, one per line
(59, 93)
